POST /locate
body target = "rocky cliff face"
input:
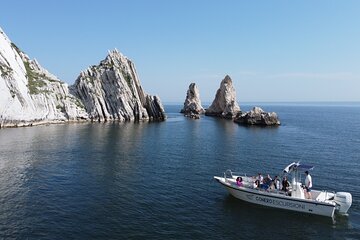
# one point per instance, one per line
(29, 94)
(257, 116)
(224, 104)
(192, 105)
(112, 91)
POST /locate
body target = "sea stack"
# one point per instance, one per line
(192, 105)
(224, 104)
(112, 91)
(257, 116)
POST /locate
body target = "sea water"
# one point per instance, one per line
(155, 180)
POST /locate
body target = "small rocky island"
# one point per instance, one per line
(257, 116)
(30, 95)
(192, 105)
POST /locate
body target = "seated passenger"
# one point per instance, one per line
(260, 178)
(267, 181)
(257, 183)
(264, 186)
(285, 185)
(239, 181)
(276, 182)
(272, 186)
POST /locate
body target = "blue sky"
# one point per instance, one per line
(273, 50)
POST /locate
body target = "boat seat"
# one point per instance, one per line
(321, 197)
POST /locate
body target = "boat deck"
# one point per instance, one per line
(248, 183)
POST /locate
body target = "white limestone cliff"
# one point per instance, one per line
(224, 104)
(29, 94)
(112, 91)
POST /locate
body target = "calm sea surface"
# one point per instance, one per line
(155, 180)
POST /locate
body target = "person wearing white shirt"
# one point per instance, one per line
(260, 178)
(308, 185)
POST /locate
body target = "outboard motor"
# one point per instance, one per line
(344, 201)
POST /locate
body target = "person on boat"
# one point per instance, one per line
(285, 185)
(308, 185)
(276, 182)
(239, 181)
(260, 178)
(257, 183)
(267, 180)
(265, 184)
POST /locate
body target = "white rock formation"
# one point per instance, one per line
(29, 94)
(192, 105)
(112, 91)
(224, 104)
(257, 116)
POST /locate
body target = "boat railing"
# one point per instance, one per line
(236, 174)
(228, 174)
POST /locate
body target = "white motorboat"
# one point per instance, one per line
(322, 203)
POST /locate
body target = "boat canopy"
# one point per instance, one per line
(297, 166)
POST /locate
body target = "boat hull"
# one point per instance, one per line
(279, 201)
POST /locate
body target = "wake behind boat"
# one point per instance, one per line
(322, 203)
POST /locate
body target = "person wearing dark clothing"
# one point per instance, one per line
(285, 185)
(276, 183)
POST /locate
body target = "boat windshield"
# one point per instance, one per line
(293, 167)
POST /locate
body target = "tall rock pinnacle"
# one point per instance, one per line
(224, 104)
(192, 105)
